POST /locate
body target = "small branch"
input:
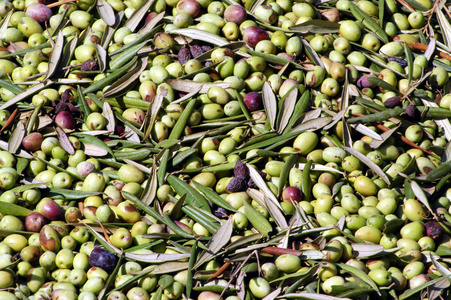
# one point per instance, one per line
(220, 271)
(423, 47)
(60, 3)
(403, 138)
(281, 251)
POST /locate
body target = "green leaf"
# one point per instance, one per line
(14, 210)
(193, 197)
(316, 26)
(89, 139)
(443, 251)
(71, 194)
(213, 197)
(381, 83)
(360, 274)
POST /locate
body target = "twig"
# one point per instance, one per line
(220, 271)
(60, 3)
(281, 251)
(406, 5)
(10, 120)
(423, 47)
(403, 138)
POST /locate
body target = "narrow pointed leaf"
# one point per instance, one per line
(270, 104)
(316, 26)
(360, 274)
(375, 168)
(16, 138)
(137, 16)
(287, 109)
(419, 193)
(217, 242)
(64, 141)
(193, 197)
(258, 180)
(106, 12)
(56, 55)
(13, 209)
(188, 86)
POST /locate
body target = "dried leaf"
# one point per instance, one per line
(258, 180)
(5, 21)
(188, 86)
(366, 131)
(319, 167)
(186, 97)
(26, 94)
(94, 150)
(55, 57)
(137, 15)
(270, 104)
(276, 214)
(217, 241)
(201, 35)
(101, 57)
(385, 135)
(64, 141)
(109, 116)
(312, 55)
(106, 12)
(16, 138)
(419, 193)
(316, 26)
(151, 24)
(375, 168)
(287, 109)
(444, 24)
(436, 290)
(22, 153)
(132, 135)
(154, 108)
(312, 125)
(127, 81)
(151, 188)
(312, 296)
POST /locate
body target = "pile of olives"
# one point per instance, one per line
(200, 149)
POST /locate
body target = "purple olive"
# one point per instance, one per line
(39, 12)
(253, 34)
(253, 101)
(33, 141)
(34, 222)
(291, 194)
(103, 259)
(235, 14)
(65, 120)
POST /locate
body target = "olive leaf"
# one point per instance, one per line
(360, 274)
(16, 137)
(101, 57)
(311, 296)
(27, 93)
(188, 86)
(151, 23)
(410, 292)
(213, 197)
(110, 30)
(217, 241)
(311, 53)
(375, 168)
(64, 141)
(4, 145)
(258, 180)
(138, 14)
(106, 12)
(287, 110)
(10, 86)
(436, 290)
(316, 26)
(443, 123)
(127, 81)
(55, 57)
(92, 140)
(312, 125)
(419, 193)
(270, 104)
(13, 209)
(193, 197)
(5, 21)
(201, 35)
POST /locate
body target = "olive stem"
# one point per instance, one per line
(403, 138)
(281, 251)
(406, 5)
(220, 271)
(60, 3)
(423, 47)
(10, 120)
